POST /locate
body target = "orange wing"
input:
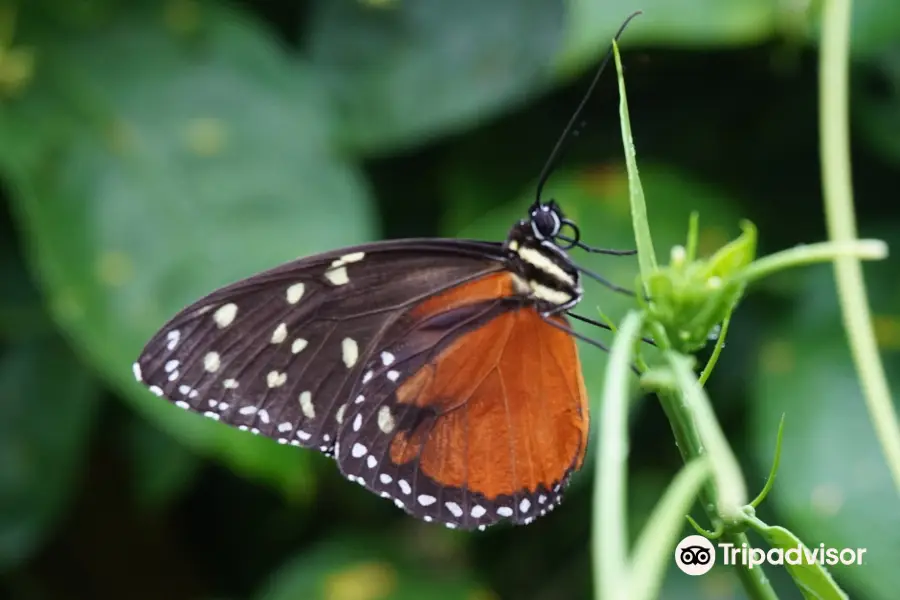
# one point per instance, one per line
(489, 427)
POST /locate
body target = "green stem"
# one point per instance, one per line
(819, 252)
(732, 492)
(838, 196)
(648, 564)
(609, 534)
(717, 351)
(754, 580)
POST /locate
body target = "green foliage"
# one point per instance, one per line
(690, 298)
(41, 451)
(151, 151)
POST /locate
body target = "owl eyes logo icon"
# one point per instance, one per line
(695, 555)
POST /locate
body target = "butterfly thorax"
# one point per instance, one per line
(542, 271)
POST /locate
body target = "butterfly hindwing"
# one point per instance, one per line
(474, 411)
(277, 353)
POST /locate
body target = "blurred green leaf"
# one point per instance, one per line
(161, 468)
(875, 26)
(833, 486)
(360, 568)
(403, 70)
(22, 314)
(590, 25)
(150, 167)
(48, 406)
(877, 108)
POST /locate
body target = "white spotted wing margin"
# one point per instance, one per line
(374, 418)
(278, 353)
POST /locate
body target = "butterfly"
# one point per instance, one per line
(442, 374)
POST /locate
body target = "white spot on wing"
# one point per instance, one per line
(404, 486)
(478, 511)
(173, 337)
(524, 505)
(247, 410)
(386, 421)
(337, 276)
(387, 358)
(385, 478)
(357, 422)
(155, 389)
(371, 462)
(339, 416)
(280, 334)
(505, 511)
(224, 315)
(230, 384)
(171, 366)
(454, 508)
(298, 345)
(295, 292)
(426, 500)
(136, 369)
(393, 375)
(275, 379)
(284, 427)
(306, 405)
(349, 352)
(358, 450)
(211, 362)
(303, 435)
(263, 415)
(349, 258)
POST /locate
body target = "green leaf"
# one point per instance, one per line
(363, 568)
(22, 314)
(150, 167)
(833, 486)
(403, 71)
(161, 468)
(590, 25)
(49, 404)
(876, 109)
(812, 578)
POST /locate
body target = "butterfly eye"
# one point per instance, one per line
(545, 221)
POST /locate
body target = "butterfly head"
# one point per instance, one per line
(546, 220)
(544, 272)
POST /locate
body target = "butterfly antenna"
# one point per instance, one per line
(602, 325)
(554, 154)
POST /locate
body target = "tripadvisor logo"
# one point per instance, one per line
(797, 555)
(696, 555)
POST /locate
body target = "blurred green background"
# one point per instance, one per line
(152, 151)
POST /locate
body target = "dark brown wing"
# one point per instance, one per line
(279, 352)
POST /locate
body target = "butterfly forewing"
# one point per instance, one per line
(279, 353)
(474, 411)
